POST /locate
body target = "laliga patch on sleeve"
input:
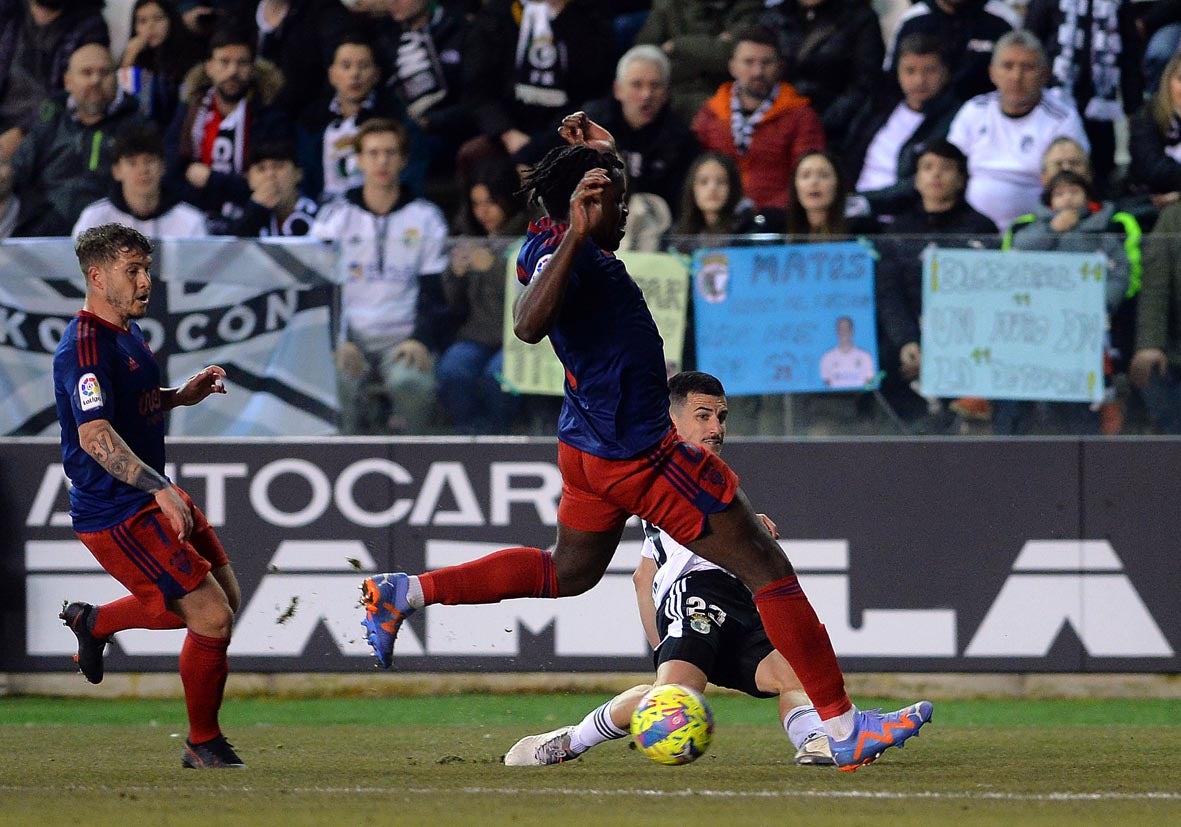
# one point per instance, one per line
(541, 262)
(90, 395)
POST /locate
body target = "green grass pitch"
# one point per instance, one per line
(436, 760)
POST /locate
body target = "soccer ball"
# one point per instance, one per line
(672, 724)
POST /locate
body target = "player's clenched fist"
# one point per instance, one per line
(586, 204)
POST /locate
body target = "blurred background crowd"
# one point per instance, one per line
(397, 129)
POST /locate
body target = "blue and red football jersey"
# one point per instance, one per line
(101, 371)
(616, 401)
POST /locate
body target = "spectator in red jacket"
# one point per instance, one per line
(759, 120)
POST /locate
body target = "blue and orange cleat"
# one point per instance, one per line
(874, 733)
(386, 607)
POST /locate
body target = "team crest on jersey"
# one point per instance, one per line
(699, 623)
(541, 262)
(90, 396)
(411, 237)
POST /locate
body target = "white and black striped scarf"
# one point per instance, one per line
(1103, 60)
(742, 126)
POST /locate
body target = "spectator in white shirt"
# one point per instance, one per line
(139, 199)
(1005, 133)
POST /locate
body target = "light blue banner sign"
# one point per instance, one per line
(786, 319)
(1013, 325)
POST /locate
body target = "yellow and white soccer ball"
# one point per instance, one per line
(672, 724)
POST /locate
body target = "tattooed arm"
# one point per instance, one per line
(107, 448)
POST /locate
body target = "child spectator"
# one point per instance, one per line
(941, 211)
(276, 206)
(139, 199)
(1071, 220)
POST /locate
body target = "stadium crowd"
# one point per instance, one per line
(409, 121)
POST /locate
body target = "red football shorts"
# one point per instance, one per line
(145, 555)
(675, 484)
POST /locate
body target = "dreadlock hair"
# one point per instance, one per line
(553, 180)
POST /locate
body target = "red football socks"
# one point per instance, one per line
(129, 613)
(203, 671)
(798, 634)
(511, 572)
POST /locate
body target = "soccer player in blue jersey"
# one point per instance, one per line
(144, 530)
(619, 453)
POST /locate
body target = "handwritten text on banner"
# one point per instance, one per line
(1013, 325)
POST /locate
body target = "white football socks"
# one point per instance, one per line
(414, 593)
(841, 727)
(595, 728)
(801, 724)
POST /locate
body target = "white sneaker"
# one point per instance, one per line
(815, 752)
(542, 750)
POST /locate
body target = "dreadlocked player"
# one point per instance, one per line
(619, 453)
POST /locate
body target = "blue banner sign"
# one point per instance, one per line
(793, 318)
(1013, 325)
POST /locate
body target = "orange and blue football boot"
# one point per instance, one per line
(874, 733)
(386, 607)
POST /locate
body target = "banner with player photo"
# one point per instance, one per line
(665, 281)
(795, 318)
(262, 310)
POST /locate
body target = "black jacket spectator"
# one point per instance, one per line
(444, 113)
(1153, 169)
(937, 116)
(57, 171)
(968, 35)
(832, 55)
(301, 47)
(33, 59)
(503, 95)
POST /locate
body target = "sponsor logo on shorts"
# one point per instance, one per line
(90, 396)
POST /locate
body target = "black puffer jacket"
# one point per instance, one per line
(832, 55)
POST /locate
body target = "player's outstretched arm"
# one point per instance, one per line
(196, 388)
(102, 442)
(537, 308)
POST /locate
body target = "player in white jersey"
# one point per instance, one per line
(700, 620)
(846, 365)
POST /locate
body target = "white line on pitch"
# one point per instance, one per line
(737, 794)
